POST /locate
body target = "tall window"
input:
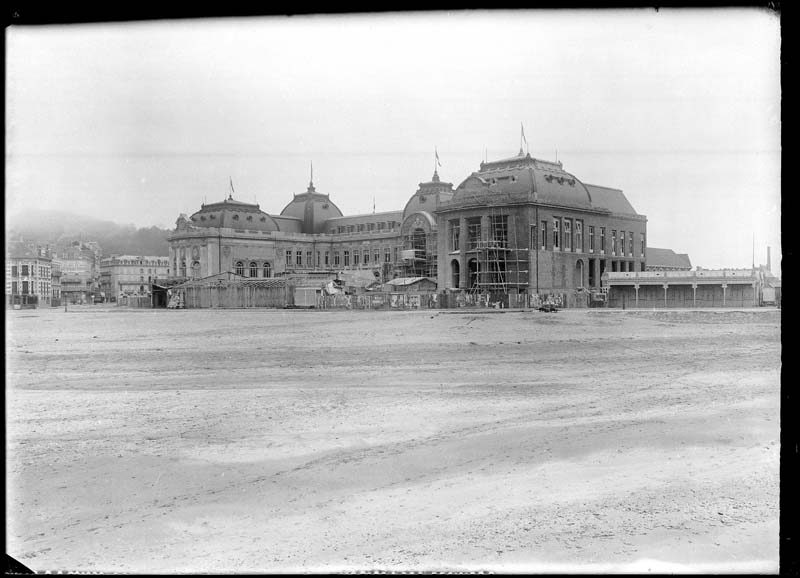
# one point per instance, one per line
(183, 267)
(499, 228)
(347, 258)
(14, 288)
(24, 287)
(613, 241)
(14, 272)
(336, 258)
(267, 270)
(622, 243)
(253, 269)
(579, 236)
(299, 258)
(544, 235)
(641, 238)
(319, 259)
(365, 257)
(309, 259)
(556, 234)
(473, 233)
(356, 257)
(239, 268)
(630, 243)
(568, 234)
(602, 240)
(25, 272)
(395, 254)
(387, 255)
(288, 257)
(376, 256)
(591, 239)
(195, 270)
(327, 258)
(454, 232)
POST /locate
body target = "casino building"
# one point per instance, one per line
(517, 225)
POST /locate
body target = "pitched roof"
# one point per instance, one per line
(667, 258)
(612, 199)
(408, 280)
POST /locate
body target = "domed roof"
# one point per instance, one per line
(429, 196)
(233, 214)
(313, 209)
(523, 175)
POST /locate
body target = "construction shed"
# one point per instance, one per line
(408, 284)
(228, 290)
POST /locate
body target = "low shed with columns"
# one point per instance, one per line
(667, 289)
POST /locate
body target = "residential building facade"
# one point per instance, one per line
(28, 276)
(131, 275)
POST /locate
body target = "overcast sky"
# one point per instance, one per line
(139, 122)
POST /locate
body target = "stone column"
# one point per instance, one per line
(636, 288)
(596, 266)
(665, 294)
(724, 288)
(694, 295)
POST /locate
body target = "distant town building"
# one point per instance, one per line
(78, 272)
(28, 276)
(55, 283)
(131, 275)
(666, 260)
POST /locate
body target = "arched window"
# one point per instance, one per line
(240, 268)
(472, 268)
(267, 270)
(579, 273)
(183, 267)
(456, 269)
(196, 269)
(253, 269)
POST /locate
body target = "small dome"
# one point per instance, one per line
(233, 214)
(313, 208)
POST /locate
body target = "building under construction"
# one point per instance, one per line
(518, 226)
(524, 225)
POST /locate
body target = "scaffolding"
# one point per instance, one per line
(502, 265)
(419, 259)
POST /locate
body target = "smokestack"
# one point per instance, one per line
(769, 261)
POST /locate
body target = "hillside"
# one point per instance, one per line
(52, 227)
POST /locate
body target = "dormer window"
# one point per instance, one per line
(263, 219)
(236, 217)
(325, 205)
(422, 198)
(249, 217)
(202, 218)
(212, 217)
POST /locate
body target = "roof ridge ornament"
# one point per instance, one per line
(311, 188)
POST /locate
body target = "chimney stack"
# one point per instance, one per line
(769, 261)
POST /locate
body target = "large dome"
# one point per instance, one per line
(313, 209)
(523, 175)
(233, 214)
